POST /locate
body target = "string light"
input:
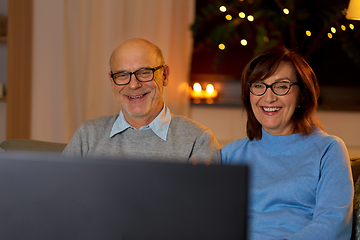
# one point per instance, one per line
(250, 18)
(222, 9)
(241, 15)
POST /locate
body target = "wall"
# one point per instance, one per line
(229, 124)
(3, 57)
(47, 121)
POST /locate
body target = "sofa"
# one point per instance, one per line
(32, 146)
(57, 148)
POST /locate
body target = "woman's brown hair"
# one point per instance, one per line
(265, 65)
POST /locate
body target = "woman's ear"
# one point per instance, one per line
(166, 73)
(299, 102)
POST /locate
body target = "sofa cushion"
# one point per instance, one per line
(31, 145)
(355, 167)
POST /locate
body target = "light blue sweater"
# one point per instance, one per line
(300, 187)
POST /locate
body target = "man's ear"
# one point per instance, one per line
(111, 81)
(110, 78)
(166, 73)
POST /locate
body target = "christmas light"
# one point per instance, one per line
(333, 30)
(286, 11)
(221, 46)
(241, 15)
(228, 17)
(222, 9)
(343, 27)
(329, 35)
(250, 18)
(243, 42)
(351, 26)
(308, 33)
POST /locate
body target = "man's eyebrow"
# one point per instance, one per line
(118, 71)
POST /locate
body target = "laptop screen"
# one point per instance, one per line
(51, 197)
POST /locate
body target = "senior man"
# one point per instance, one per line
(144, 129)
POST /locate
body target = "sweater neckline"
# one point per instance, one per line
(280, 143)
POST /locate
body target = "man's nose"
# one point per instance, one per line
(134, 83)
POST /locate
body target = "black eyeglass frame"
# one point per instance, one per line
(131, 73)
(270, 86)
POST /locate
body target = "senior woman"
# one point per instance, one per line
(300, 182)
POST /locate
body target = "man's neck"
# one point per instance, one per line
(140, 121)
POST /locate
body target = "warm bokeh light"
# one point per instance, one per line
(197, 100)
(197, 93)
(308, 33)
(209, 101)
(330, 35)
(243, 42)
(197, 87)
(351, 26)
(250, 18)
(266, 39)
(333, 30)
(221, 46)
(242, 15)
(210, 88)
(228, 17)
(343, 27)
(286, 11)
(222, 9)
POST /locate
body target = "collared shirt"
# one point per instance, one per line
(160, 125)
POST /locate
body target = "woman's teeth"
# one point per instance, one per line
(271, 109)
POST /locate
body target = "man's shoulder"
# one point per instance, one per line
(187, 124)
(100, 122)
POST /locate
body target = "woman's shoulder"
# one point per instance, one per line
(236, 144)
(233, 149)
(324, 139)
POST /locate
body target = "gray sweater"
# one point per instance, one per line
(187, 142)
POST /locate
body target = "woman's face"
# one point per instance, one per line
(275, 112)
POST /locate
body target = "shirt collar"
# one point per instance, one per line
(160, 125)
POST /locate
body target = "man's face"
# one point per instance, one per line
(140, 101)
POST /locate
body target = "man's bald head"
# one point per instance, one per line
(136, 46)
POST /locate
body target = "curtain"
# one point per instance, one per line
(94, 28)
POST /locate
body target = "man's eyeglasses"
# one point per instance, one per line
(142, 75)
(279, 88)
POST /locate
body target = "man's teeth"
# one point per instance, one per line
(135, 97)
(271, 109)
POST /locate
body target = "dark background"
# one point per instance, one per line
(335, 61)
